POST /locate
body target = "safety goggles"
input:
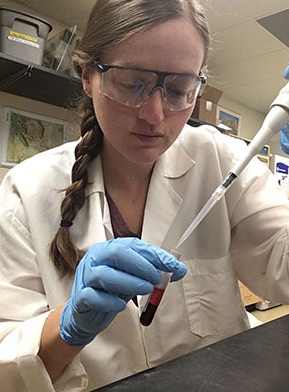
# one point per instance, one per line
(134, 86)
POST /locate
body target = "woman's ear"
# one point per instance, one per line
(86, 80)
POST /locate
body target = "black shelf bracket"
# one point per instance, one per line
(27, 71)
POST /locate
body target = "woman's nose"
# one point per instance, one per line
(152, 110)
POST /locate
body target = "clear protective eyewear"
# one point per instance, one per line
(134, 86)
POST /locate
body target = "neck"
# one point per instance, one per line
(127, 183)
(122, 175)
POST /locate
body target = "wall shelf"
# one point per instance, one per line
(33, 81)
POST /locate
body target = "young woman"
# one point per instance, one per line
(71, 296)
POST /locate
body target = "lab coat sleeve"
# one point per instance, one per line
(23, 310)
(260, 234)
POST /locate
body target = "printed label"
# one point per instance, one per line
(23, 41)
(24, 36)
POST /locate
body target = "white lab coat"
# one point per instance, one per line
(244, 237)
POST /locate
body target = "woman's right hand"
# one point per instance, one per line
(109, 275)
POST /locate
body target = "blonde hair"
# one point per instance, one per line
(110, 22)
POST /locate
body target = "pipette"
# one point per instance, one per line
(275, 120)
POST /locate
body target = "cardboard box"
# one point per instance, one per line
(206, 105)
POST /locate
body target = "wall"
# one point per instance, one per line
(251, 119)
(251, 123)
(57, 25)
(25, 104)
(275, 150)
(28, 105)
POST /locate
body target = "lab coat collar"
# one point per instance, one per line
(163, 199)
(175, 161)
(96, 186)
(95, 177)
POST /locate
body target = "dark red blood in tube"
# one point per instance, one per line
(151, 306)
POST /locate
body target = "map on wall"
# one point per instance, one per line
(25, 134)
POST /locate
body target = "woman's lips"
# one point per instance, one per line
(148, 138)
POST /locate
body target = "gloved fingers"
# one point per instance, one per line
(119, 254)
(171, 264)
(115, 281)
(284, 139)
(89, 299)
(162, 260)
(286, 72)
(143, 258)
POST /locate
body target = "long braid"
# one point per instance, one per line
(63, 251)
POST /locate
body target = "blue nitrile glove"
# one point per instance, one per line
(284, 133)
(109, 275)
(286, 72)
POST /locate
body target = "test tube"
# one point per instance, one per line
(155, 296)
(154, 300)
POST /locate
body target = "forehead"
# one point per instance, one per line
(173, 46)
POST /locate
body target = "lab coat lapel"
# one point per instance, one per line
(98, 208)
(163, 200)
(161, 208)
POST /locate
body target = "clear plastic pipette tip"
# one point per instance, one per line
(216, 196)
